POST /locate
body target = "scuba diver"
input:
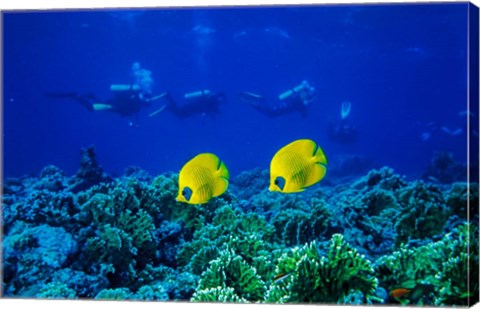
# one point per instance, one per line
(296, 99)
(431, 128)
(343, 132)
(203, 102)
(127, 100)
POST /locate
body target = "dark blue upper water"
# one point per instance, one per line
(401, 66)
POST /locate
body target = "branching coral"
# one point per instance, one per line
(319, 279)
(56, 290)
(245, 233)
(217, 294)
(458, 278)
(115, 294)
(305, 222)
(230, 270)
(445, 264)
(423, 214)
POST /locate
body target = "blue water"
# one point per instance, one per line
(401, 66)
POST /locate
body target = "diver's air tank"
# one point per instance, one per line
(197, 94)
(119, 87)
(290, 92)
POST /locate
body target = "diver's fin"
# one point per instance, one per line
(158, 111)
(62, 95)
(346, 107)
(157, 97)
(101, 107)
(251, 98)
(86, 99)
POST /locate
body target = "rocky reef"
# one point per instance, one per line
(93, 236)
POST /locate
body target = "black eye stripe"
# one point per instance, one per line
(280, 182)
(187, 193)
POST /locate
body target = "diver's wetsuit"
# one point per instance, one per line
(343, 132)
(291, 105)
(125, 103)
(282, 109)
(205, 104)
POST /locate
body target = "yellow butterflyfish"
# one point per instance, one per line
(297, 166)
(202, 178)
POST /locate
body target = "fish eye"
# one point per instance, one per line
(280, 182)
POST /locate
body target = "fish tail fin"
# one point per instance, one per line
(222, 182)
(319, 168)
(220, 187)
(319, 171)
(320, 156)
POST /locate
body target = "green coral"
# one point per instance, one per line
(148, 292)
(445, 264)
(460, 272)
(247, 234)
(305, 222)
(319, 279)
(230, 270)
(56, 290)
(217, 294)
(114, 294)
(361, 213)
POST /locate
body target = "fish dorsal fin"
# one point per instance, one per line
(207, 160)
(308, 149)
(305, 147)
(222, 177)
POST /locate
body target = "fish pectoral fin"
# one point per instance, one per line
(220, 186)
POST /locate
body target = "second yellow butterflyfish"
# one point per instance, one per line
(202, 178)
(297, 166)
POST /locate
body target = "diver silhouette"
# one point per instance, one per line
(296, 99)
(127, 99)
(343, 132)
(202, 102)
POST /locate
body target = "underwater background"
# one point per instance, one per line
(89, 204)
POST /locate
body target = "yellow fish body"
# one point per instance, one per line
(202, 178)
(296, 166)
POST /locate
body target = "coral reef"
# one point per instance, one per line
(232, 274)
(349, 242)
(445, 264)
(444, 169)
(324, 279)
